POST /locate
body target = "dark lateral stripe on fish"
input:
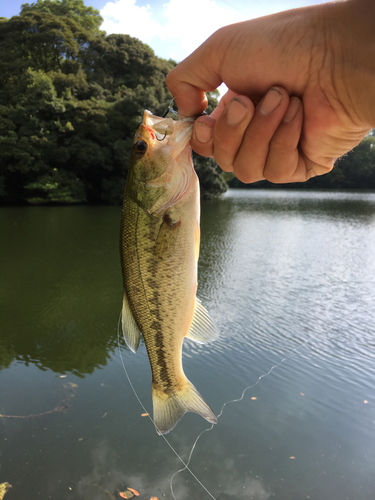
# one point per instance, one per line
(161, 362)
(160, 243)
(155, 349)
(161, 377)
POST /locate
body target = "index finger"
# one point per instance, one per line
(227, 97)
(194, 76)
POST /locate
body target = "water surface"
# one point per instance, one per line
(289, 278)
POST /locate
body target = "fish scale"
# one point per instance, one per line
(159, 251)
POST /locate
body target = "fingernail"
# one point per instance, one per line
(236, 112)
(294, 105)
(271, 101)
(203, 133)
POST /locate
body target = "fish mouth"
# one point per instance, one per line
(176, 133)
(158, 127)
(174, 136)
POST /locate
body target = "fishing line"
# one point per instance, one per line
(186, 465)
(171, 110)
(181, 116)
(274, 367)
(236, 401)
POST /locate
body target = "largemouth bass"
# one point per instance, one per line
(159, 254)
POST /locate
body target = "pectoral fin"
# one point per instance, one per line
(167, 235)
(202, 328)
(130, 329)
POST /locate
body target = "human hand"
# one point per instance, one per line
(302, 53)
(255, 142)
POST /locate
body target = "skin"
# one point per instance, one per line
(315, 66)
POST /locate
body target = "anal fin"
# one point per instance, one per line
(202, 328)
(130, 330)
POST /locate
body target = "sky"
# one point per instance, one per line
(173, 28)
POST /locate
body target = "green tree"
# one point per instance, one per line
(41, 42)
(358, 165)
(71, 99)
(211, 179)
(88, 17)
(31, 139)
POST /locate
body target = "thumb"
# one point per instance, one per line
(194, 76)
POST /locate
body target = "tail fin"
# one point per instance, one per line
(169, 408)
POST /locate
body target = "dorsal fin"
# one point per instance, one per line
(130, 330)
(202, 328)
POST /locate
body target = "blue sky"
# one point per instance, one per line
(171, 27)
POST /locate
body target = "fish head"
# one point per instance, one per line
(161, 166)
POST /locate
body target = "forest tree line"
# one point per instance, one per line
(71, 99)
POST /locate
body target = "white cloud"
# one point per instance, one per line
(185, 24)
(124, 16)
(178, 27)
(191, 23)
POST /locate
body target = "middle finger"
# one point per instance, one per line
(251, 159)
(229, 130)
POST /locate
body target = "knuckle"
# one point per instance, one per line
(225, 167)
(280, 144)
(280, 172)
(224, 162)
(247, 174)
(225, 153)
(170, 79)
(225, 150)
(323, 169)
(314, 169)
(279, 175)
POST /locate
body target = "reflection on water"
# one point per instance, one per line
(60, 273)
(289, 278)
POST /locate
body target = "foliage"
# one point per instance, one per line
(211, 180)
(354, 170)
(88, 17)
(71, 98)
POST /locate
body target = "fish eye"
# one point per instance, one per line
(140, 147)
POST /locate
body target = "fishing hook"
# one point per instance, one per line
(164, 136)
(171, 110)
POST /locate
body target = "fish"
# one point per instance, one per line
(159, 246)
(4, 487)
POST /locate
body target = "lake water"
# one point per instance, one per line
(288, 277)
